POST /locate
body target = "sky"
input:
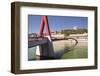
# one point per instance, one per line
(56, 23)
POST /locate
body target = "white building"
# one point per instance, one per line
(32, 35)
(75, 28)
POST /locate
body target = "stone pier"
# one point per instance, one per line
(45, 50)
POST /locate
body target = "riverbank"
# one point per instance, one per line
(79, 51)
(81, 42)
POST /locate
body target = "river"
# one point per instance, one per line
(63, 50)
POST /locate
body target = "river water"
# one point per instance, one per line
(63, 50)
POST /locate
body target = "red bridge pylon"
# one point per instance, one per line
(45, 50)
(44, 24)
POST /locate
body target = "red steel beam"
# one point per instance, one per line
(44, 23)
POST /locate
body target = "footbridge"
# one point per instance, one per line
(44, 43)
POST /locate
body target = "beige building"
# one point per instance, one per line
(79, 36)
(58, 36)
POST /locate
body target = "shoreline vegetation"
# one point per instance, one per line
(74, 31)
(65, 32)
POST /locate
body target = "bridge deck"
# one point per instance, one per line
(35, 42)
(40, 41)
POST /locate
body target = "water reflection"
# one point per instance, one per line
(32, 53)
(61, 47)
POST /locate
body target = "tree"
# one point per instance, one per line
(72, 31)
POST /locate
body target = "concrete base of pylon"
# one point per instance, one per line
(38, 50)
(50, 47)
(45, 50)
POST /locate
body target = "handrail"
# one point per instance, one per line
(76, 42)
(57, 39)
